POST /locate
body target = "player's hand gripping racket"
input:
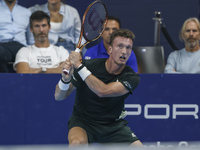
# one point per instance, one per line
(93, 23)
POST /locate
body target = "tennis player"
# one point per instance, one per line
(102, 85)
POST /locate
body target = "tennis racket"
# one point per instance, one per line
(93, 23)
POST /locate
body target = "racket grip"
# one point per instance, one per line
(65, 71)
(77, 50)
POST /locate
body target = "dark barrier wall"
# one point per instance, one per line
(137, 15)
(164, 107)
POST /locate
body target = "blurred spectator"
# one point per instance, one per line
(14, 21)
(101, 50)
(65, 23)
(42, 57)
(186, 60)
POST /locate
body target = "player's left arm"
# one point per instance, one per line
(113, 89)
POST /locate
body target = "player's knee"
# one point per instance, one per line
(77, 141)
(137, 143)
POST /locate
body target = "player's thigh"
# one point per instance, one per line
(77, 135)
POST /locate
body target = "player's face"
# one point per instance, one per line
(120, 50)
(40, 30)
(191, 34)
(111, 26)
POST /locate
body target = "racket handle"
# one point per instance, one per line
(65, 71)
(77, 50)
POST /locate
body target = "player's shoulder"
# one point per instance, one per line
(129, 71)
(94, 62)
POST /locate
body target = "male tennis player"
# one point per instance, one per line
(101, 86)
(101, 50)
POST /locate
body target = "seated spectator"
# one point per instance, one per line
(101, 50)
(186, 60)
(65, 23)
(14, 22)
(41, 57)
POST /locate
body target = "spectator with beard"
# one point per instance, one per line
(65, 23)
(41, 57)
(186, 60)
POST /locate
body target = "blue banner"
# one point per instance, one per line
(163, 108)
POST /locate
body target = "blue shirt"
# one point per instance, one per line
(99, 51)
(14, 24)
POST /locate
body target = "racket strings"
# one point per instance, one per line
(94, 21)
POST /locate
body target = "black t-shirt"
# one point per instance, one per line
(93, 107)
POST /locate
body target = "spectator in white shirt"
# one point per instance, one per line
(41, 57)
(65, 23)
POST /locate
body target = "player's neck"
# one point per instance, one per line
(112, 67)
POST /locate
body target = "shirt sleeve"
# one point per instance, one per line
(130, 81)
(21, 56)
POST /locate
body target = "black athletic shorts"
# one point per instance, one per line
(115, 132)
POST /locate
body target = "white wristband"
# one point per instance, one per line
(63, 86)
(84, 73)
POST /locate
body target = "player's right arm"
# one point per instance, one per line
(64, 87)
(63, 94)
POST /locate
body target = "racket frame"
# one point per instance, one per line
(82, 26)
